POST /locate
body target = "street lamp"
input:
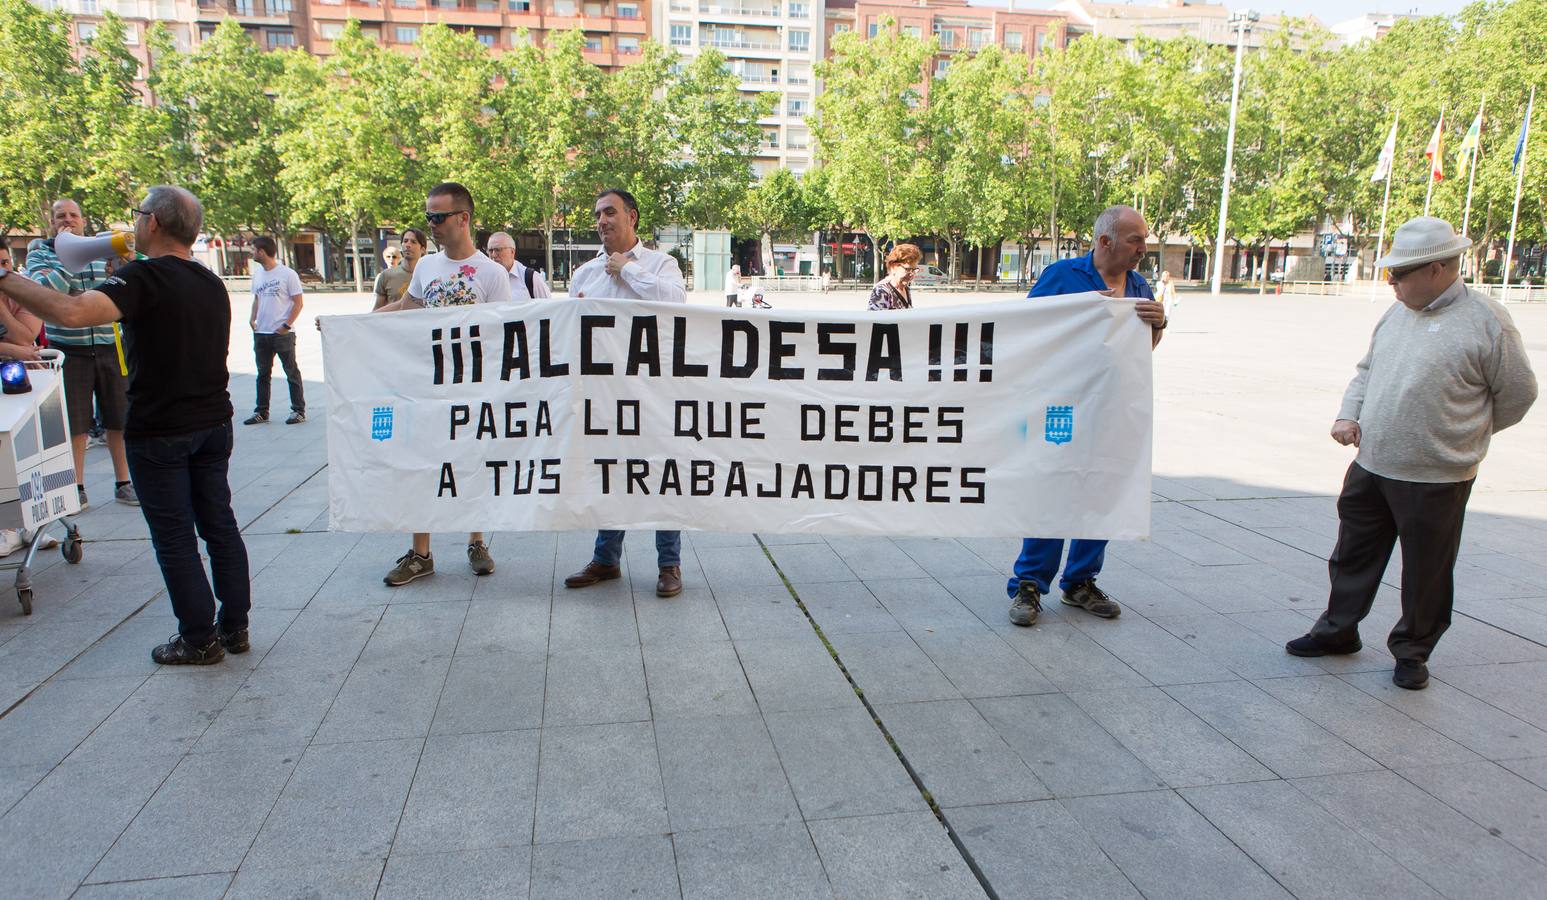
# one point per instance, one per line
(1242, 20)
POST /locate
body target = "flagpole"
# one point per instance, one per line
(1380, 236)
(1520, 175)
(1440, 130)
(1471, 177)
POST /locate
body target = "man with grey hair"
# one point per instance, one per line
(1446, 370)
(526, 283)
(1121, 241)
(94, 384)
(176, 319)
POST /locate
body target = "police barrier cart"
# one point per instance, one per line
(37, 470)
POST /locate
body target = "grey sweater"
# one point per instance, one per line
(1435, 386)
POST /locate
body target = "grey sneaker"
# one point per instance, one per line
(1092, 599)
(478, 557)
(296, 418)
(1027, 605)
(126, 495)
(257, 418)
(410, 566)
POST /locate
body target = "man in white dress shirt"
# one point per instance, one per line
(627, 269)
(526, 283)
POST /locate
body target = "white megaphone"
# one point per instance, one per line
(76, 252)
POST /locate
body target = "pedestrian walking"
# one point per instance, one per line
(1446, 370)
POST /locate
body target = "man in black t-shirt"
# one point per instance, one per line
(176, 319)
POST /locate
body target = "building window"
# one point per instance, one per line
(564, 7)
(279, 7)
(521, 6)
(842, 28)
(206, 32)
(595, 10)
(406, 4)
(88, 7)
(800, 75)
(330, 31)
(682, 35)
(913, 30)
(796, 106)
(244, 7)
(1014, 41)
(628, 10)
(799, 9)
(372, 34)
(977, 38)
(593, 44)
(947, 39)
(487, 38)
(800, 41)
(1041, 40)
(488, 6)
(941, 67)
(628, 45)
(86, 30)
(132, 34)
(771, 139)
(281, 39)
(799, 140)
(874, 29)
(405, 34)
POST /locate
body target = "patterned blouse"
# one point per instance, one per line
(885, 296)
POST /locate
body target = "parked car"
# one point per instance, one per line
(927, 275)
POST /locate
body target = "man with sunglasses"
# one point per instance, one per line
(1445, 371)
(176, 318)
(456, 276)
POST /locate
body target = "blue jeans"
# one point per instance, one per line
(668, 548)
(182, 486)
(1039, 559)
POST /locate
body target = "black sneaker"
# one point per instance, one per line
(1092, 599)
(1027, 605)
(177, 652)
(257, 419)
(1410, 675)
(235, 642)
(1308, 645)
(296, 418)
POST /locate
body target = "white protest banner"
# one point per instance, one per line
(1009, 419)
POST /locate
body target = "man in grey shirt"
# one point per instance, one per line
(1446, 369)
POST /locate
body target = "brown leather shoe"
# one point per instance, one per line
(670, 582)
(593, 573)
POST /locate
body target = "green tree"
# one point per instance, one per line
(716, 132)
(870, 130)
(40, 85)
(773, 208)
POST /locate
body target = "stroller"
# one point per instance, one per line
(752, 294)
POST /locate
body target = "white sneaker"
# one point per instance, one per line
(46, 542)
(10, 541)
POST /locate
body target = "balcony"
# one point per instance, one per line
(604, 58)
(341, 10)
(723, 43)
(734, 10)
(248, 12)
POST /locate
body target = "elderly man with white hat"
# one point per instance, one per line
(1446, 369)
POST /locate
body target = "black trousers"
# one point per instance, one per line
(185, 495)
(1373, 514)
(265, 348)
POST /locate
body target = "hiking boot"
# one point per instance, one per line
(593, 573)
(410, 566)
(670, 582)
(1092, 599)
(478, 557)
(177, 652)
(1027, 605)
(296, 418)
(257, 419)
(235, 642)
(125, 494)
(1410, 675)
(1308, 645)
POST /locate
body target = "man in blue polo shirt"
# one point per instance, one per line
(1121, 241)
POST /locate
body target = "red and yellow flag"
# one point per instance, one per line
(1434, 151)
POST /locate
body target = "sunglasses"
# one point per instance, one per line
(1399, 274)
(437, 218)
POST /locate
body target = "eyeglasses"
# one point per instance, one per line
(141, 212)
(1399, 274)
(436, 218)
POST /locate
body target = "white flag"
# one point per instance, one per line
(1387, 153)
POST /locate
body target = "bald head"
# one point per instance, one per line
(65, 215)
(1122, 239)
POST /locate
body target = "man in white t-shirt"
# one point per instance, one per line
(526, 283)
(456, 276)
(276, 303)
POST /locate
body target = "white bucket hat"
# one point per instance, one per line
(1423, 240)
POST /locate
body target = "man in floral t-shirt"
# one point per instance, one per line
(456, 276)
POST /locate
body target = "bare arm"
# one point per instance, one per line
(295, 312)
(89, 308)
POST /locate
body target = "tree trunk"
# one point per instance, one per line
(875, 254)
(354, 248)
(955, 267)
(548, 245)
(977, 274)
(765, 250)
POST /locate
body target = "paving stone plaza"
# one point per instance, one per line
(811, 717)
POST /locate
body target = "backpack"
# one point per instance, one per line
(530, 277)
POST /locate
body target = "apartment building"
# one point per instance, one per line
(772, 46)
(1208, 22)
(959, 26)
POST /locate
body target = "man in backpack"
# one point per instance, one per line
(526, 283)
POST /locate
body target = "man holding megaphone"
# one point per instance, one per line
(71, 263)
(177, 330)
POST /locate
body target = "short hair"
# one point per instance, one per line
(626, 197)
(456, 192)
(177, 211)
(266, 244)
(419, 236)
(1106, 223)
(503, 234)
(904, 255)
